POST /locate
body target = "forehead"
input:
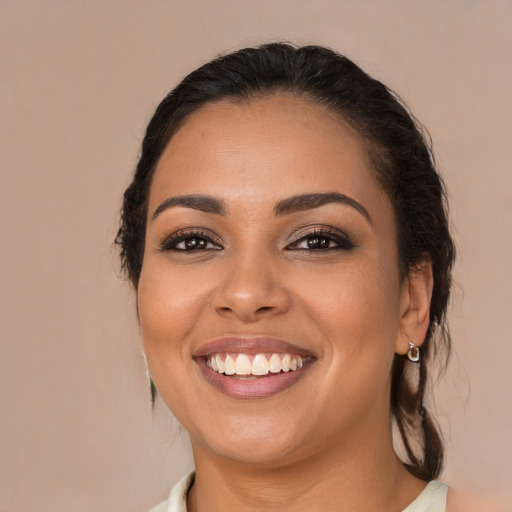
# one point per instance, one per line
(263, 149)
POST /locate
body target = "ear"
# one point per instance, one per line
(415, 300)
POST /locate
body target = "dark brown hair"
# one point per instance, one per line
(404, 167)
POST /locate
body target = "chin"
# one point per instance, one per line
(245, 442)
(252, 452)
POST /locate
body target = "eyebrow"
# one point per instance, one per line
(207, 204)
(309, 201)
(301, 202)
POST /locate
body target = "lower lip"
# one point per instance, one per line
(247, 389)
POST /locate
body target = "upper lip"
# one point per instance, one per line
(251, 345)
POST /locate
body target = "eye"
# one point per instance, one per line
(190, 240)
(322, 240)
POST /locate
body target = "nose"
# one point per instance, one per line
(251, 290)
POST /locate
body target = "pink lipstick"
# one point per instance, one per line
(252, 368)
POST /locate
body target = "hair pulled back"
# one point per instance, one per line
(404, 167)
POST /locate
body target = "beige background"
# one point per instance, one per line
(80, 80)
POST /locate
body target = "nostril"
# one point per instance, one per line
(250, 303)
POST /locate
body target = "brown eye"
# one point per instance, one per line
(192, 244)
(322, 240)
(319, 242)
(189, 241)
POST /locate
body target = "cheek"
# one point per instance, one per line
(357, 314)
(168, 300)
(358, 295)
(169, 307)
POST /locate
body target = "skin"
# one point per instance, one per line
(324, 443)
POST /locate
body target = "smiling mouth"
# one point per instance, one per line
(253, 376)
(252, 366)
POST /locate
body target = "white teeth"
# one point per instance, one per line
(243, 365)
(275, 363)
(285, 363)
(220, 364)
(240, 364)
(229, 365)
(260, 365)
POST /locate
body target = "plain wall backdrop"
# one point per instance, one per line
(79, 82)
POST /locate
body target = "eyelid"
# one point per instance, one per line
(335, 234)
(169, 242)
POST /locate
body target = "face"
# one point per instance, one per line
(270, 247)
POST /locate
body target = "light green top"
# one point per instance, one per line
(431, 499)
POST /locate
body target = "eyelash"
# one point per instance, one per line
(171, 242)
(342, 241)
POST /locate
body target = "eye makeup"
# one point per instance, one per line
(191, 239)
(314, 239)
(318, 239)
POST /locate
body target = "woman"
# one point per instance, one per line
(287, 238)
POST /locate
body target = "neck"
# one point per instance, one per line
(360, 474)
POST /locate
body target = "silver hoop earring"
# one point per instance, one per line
(148, 376)
(151, 384)
(414, 353)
